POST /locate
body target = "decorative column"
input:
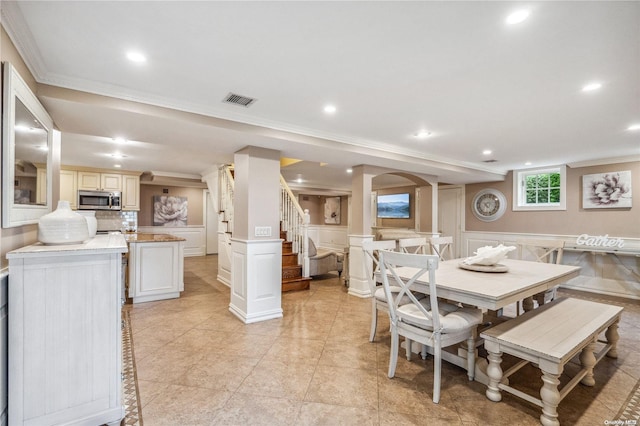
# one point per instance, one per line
(256, 247)
(360, 230)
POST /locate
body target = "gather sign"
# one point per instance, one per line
(599, 241)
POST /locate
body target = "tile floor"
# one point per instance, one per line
(199, 365)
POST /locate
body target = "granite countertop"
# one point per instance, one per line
(151, 238)
(112, 243)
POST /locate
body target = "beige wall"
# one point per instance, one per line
(194, 203)
(425, 209)
(575, 220)
(315, 204)
(9, 53)
(13, 238)
(400, 223)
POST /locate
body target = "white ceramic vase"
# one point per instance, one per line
(63, 226)
(92, 222)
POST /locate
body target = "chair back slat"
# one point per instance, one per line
(421, 264)
(546, 251)
(371, 258)
(442, 247)
(413, 245)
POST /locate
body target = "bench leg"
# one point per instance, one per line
(588, 361)
(495, 376)
(612, 338)
(550, 399)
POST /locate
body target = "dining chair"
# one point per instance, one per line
(371, 257)
(416, 245)
(442, 247)
(429, 321)
(547, 251)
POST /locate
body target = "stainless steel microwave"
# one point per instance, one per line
(99, 200)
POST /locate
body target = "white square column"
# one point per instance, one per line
(256, 247)
(256, 279)
(360, 211)
(359, 265)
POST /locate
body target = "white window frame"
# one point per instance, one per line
(519, 197)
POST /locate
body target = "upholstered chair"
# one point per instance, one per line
(323, 261)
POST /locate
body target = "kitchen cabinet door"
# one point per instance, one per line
(93, 181)
(130, 192)
(69, 187)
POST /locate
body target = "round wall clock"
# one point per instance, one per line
(489, 204)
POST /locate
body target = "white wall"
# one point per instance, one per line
(329, 237)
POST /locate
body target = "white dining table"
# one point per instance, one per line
(490, 290)
(493, 290)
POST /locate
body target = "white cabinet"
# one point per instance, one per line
(156, 267)
(65, 343)
(130, 192)
(69, 187)
(93, 181)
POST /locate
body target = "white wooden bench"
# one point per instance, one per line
(549, 337)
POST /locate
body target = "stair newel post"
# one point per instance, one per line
(305, 243)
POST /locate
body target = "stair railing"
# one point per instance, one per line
(295, 222)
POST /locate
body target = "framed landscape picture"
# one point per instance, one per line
(607, 190)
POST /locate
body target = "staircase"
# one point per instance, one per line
(292, 278)
(293, 230)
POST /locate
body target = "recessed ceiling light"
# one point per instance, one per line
(136, 57)
(422, 134)
(517, 16)
(487, 152)
(528, 163)
(299, 180)
(349, 170)
(117, 155)
(117, 166)
(591, 87)
(119, 140)
(330, 109)
(634, 127)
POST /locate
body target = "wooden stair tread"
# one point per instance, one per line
(296, 284)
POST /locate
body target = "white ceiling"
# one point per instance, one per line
(390, 68)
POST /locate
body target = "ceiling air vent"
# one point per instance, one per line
(232, 98)
(490, 161)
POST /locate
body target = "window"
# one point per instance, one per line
(539, 189)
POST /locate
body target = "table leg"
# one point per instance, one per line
(612, 338)
(527, 304)
(550, 399)
(495, 376)
(588, 361)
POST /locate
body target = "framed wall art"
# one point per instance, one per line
(169, 210)
(607, 190)
(332, 210)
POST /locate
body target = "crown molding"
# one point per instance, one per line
(604, 161)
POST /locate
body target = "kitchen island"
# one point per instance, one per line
(156, 266)
(65, 343)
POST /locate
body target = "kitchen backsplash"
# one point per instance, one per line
(117, 221)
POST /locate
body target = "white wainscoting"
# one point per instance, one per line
(329, 237)
(195, 236)
(615, 274)
(4, 347)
